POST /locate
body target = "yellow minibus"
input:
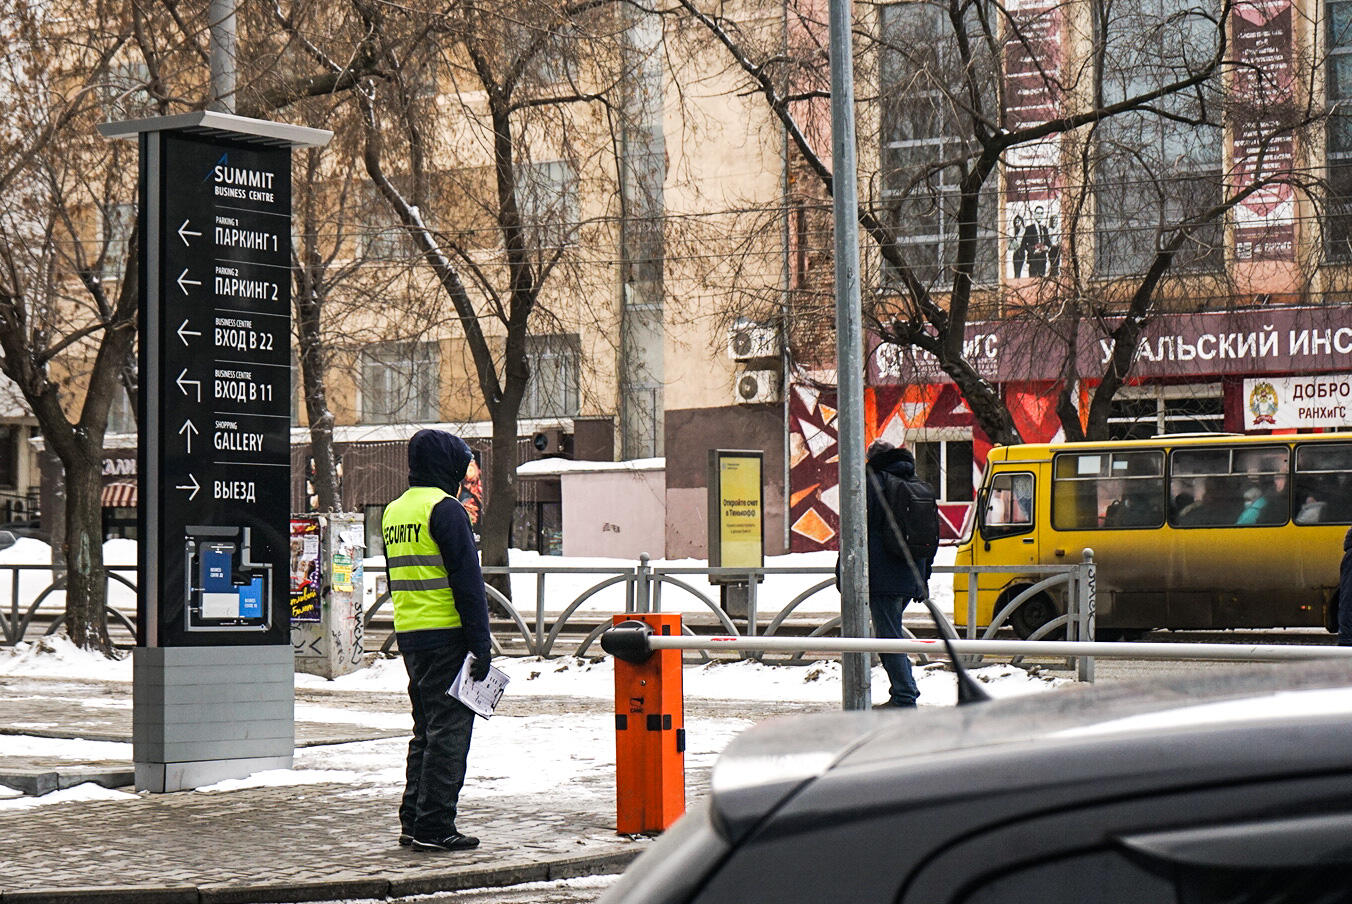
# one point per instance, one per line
(1188, 531)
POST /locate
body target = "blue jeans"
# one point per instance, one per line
(437, 754)
(886, 611)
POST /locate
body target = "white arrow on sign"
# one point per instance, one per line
(182, 383)
(186, 431)
(184, 332)
(184, 232)
(183, 282)
(195, 486)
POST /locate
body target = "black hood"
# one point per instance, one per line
(437, 459)
(894, 461)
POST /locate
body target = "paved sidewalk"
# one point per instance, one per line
(288, 843)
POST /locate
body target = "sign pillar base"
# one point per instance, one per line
(201, 715)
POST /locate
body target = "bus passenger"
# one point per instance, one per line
(1142, 502)
(1138, 507)
(1216, 507)
(1255, 502)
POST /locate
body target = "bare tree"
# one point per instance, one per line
(482, 123)
(968, 91)
(59, 325)
(68, 288)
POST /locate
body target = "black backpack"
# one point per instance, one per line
(915, 511)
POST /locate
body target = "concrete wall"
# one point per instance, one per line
(690, 434)
(614, 513)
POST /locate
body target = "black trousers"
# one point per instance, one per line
(442, 727)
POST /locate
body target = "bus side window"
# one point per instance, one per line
(1223, 486)
(1008, 505)
(1108, 489)
(1323, 484)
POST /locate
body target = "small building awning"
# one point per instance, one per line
(119, 495)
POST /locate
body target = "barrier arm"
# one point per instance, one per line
(1057, 648)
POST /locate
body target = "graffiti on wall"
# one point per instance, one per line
(890, 413)
(814, 457)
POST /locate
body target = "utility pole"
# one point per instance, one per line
(221, 19)
(854, 621)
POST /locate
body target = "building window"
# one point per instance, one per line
(946, 466)
(11, 436)
(121, 413)
(381, 237)
(1338, 226)
(297, 390)
(372, 517)
(124, 92)
(400, 383)
(117, 223)
(554, 366)
(1140, 412)
(1155, 168)
(552, 47)
(921, 126)
(547, 196)
(641, 420)
(1108, 490)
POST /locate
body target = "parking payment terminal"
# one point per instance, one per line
(226, 589)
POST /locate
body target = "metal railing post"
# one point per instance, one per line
(971, 602)
(1086, 589)
(751, 605)
(539, 611)
(643, 588)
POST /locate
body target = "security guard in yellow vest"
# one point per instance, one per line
(440, 616)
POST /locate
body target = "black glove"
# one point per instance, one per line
(478, 669)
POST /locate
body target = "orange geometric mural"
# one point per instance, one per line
(890, 413)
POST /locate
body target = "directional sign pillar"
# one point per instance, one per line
(213, 666)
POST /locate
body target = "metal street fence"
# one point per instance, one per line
(594, 593)
(19, 612)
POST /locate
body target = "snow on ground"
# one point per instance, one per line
(505, 757)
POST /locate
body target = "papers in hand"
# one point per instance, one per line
(480, 696)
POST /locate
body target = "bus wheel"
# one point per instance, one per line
(1032, 614)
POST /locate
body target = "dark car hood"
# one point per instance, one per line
(765, 765)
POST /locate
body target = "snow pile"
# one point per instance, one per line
(57, 657)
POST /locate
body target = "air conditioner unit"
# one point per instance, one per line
(548, 442)
(755, 386)
(748, 339)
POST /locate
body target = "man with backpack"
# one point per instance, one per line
(903, 536)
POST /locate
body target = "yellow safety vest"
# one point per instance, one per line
(418, 585)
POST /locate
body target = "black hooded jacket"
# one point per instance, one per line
(887, 574)
(439, 459)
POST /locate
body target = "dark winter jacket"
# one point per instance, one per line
(439, 459)
(889, 575)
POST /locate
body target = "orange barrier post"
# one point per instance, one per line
(649, 734)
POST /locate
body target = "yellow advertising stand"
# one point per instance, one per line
(736, 520)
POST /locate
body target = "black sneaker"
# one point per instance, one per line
(405, 839)
(453, 842)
